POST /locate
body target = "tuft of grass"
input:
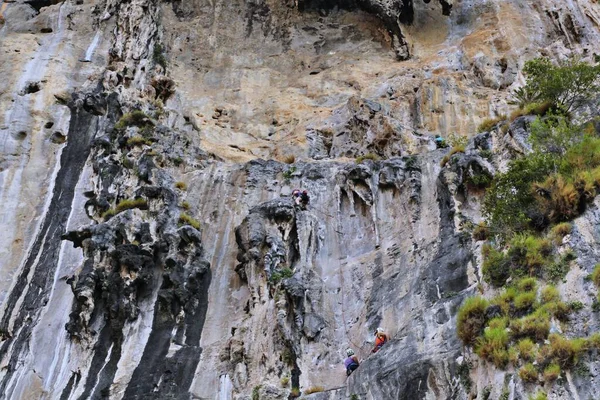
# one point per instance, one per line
(527, 349)
(471, 319)
(549, 294)
(565, 352)
(185, 219)
(505, 299)
(138, 141)
(368, 156)
(551, 372)
(314, 389)
(531, 109)
(558, 309)
(134, 118)
(527, 285)
(558, 198)
(455, 149)
(535, 326)
(498, 323)
(513, 355)
(295, 392)
(561, 230)
(181, 185)
(493, 346)
(289, 159)
(539, 396)
(285, 381)
(525, 301)
(125, 205)
(489, 123)
(593, 341)
(528, 373)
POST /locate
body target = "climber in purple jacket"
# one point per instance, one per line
(351, 362)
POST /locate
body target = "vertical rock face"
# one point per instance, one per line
(149, 149)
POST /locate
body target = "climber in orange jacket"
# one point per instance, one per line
(380, 339)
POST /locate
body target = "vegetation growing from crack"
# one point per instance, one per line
(185, 219)
(515, 328)
(125, 205)
(527, 210)
(135, 118)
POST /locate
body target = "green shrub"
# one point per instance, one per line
(181, 185)
(567, 85)
(509, 202)
(496, 266)
(158, 56)
(479, 180)
(557, 269)
(575, 305)
(134, 118)
(471, 319)
(493, 346)
(368, 156)
(481, 231)
(528, 373)
(596, 275)
(551, 372)
(554, 134)
(287, 175)
(185, 219)
(527, 349)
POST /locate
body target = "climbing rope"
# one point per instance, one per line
(341, 273)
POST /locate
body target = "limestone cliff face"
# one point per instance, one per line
(150, 248)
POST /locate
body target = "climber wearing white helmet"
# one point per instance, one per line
(380, 339)
(351, 362)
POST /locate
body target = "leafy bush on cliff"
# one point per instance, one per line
(566, 85)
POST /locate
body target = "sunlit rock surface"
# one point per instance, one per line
(107, 292)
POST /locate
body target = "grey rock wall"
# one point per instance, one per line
(249, 294)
